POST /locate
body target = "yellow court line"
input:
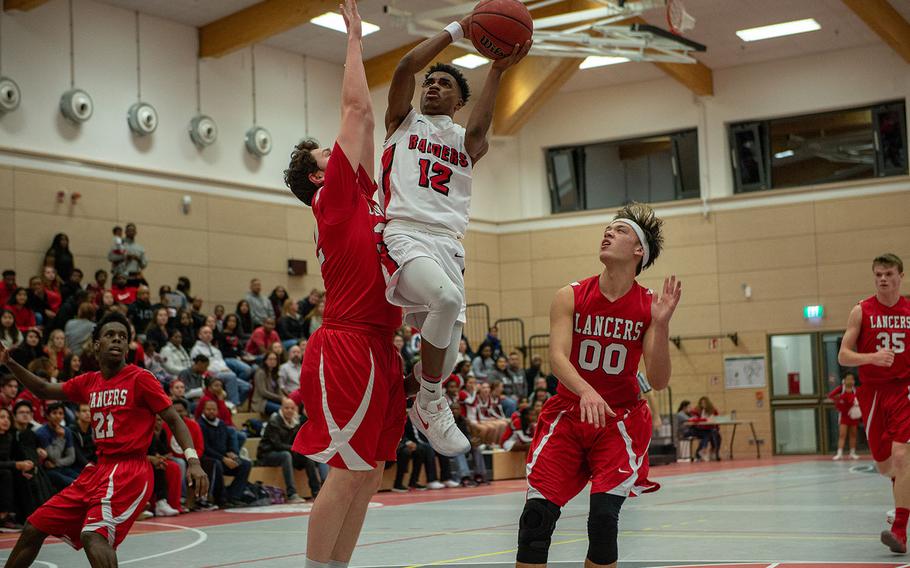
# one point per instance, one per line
(486, 554)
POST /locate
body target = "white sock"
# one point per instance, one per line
(314, 564)
(338, 564)
(430, 391)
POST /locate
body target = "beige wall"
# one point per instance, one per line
(791, 256)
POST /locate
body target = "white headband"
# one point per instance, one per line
(641, 237)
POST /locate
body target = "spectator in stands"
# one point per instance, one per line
(140, 312)
(266, 392)
(709, 435)
(262, 338)
(214, 390)
(231, 344)
(72, 284)
(184, 325)
(60, 257)
(306, 305)
(501, 373)
(503, 403)
(183, 291)
(193, 378)
(11, 475)
(275, 450)
(520, 431)
(218, 448)
(8, 286)
(245, 317)
(490, 414)
(196, 313)
(57, 442)
(158, 330)
(107, 304)
(260, 307)
(154, 363)
(218, 314)
(237, 389)
(492, 339)
(517, 375)
(289, 372)
(121, 291)
(70, 308)
(78, 332)
(174, 356)
(410, 450)
(684, 428)
(165, 299)
(96, 289)
(183, 409)
(38, 487)
(176, 390)
(462, 353)
(83, 441)
(484, 363)
(56, 350)
(290, 325)
(9, 391)
(541, 394)
(30, 349)
(18, 304)
(52, 294)
(168, 482)
(276, 299)
(72, 365)
(129, 260)
(313, 320)
(117, 245)
(10, 336)
(278, 349)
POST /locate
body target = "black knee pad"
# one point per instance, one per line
(535, 530)
(603, 528)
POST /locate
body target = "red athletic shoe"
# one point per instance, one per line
(896, 545)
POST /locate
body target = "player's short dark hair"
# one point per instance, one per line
(650, 223)
(297, 176)
(112, 317)
(55, 406)
(456, 74)
(889, 259)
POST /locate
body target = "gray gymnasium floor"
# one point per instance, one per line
(742, 512)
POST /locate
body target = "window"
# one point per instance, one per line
(811, 149)
(793, 363)
(610, 174)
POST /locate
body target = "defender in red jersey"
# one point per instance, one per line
(597, 427)
(97, 510)
(878, 331)
(351, 382)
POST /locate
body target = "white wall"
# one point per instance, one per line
(800, 85)
(35, 53)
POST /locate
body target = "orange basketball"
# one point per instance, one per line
(498, 25)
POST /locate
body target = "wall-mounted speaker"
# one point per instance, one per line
(258, 141)
(296, 267)
(77, 106)
(142, 118)
(10, 95)
(203, 131)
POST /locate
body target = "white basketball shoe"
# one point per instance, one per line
(437, 423)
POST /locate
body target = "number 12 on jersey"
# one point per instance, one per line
(439, 181)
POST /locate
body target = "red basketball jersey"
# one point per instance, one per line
(349, 228)
(885, 328)
(123, 409)
(607, 340)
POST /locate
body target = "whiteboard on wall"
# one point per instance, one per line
(745, 372)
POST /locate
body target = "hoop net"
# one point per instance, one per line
(677, 18)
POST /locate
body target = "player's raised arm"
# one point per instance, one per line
(356, 134)
(195, 477)
(594, 409)
(475, 140)
(41, 388)
(401, 91)
(849, 357)
(656, 349)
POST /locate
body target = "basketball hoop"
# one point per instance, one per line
(677, 18)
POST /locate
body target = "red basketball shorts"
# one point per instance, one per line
(886, 412)
(106, 498)
(353, 395)
(566, 453)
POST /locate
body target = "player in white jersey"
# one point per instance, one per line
(426, 180)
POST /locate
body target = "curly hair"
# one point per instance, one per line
(297, 176)
(650, 223)
(112, 317)
(456, 74)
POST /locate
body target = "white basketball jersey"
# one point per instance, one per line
(426, 173)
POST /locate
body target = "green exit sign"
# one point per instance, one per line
(813, 312)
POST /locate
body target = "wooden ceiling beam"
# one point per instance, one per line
(887, 22)
(257, 23)
(527, 87)
(22, 5)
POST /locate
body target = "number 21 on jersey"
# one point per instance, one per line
(611, 358)
(104, 425)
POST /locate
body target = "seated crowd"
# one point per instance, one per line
(213, 366)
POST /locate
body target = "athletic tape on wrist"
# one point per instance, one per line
(641, 237)
(456, 31)
(190, 454)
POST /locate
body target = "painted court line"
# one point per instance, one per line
(200, 538)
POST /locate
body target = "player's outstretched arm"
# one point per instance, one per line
(475, 140)
(594, 409)
(356, 134)
(41, 388)
(401, 91)
(849, 357)
(656, 350)
(195, 477)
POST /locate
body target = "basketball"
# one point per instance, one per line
(498, 25)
